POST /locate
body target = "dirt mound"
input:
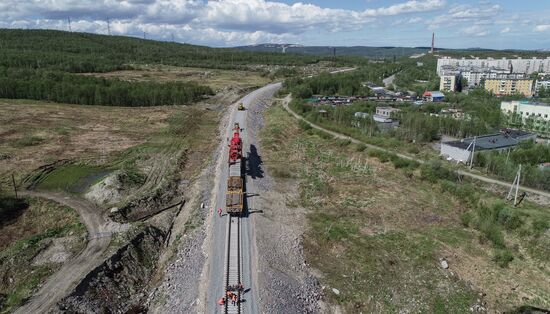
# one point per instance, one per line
(120, 283)
(107, 191)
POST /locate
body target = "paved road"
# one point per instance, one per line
(460, 172)
(216, 261)
(64, 280)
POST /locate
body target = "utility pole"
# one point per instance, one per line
(108, 27)
(172, 36)
(144, 35)
(473, 145)
(69, 19)
(515, 185)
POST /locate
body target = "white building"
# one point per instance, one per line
(519, 65)
(530, 116)
(542, 83)
(386, 112)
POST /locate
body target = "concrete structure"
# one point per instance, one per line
(461, 151)
(433, 96)
(361, 115)
(449, 83)
(386, 112)
(475, 77)
(519, 65)
(529, 116)
(510, 87)
(542, 84)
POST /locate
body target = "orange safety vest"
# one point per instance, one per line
(221, 301)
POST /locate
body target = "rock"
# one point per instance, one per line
(336, 291)
(114, 210)
(444, 264)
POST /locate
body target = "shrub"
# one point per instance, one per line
(304, 125)
(493, 233)
(503, 257)
(509, 219)
(360, 148)
(343, 143)
(28, 141)
(466, 218)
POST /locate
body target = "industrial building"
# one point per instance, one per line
(519, 65)
(461, 150)
(529, 116)
(433, 96)
(503, 87)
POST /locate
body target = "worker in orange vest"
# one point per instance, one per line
(234, 299)
(220, 212)
(221, 301)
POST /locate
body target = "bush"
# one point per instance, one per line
(466, 218)
(343, 143)
(503, 257)
(509, 219)
(28, 141)
(360, 148)
(434, 171)
(493, 233)
(304, 125)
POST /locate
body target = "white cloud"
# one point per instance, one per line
(475, 30)
(242, 20)
(542, 28)
(505, 30)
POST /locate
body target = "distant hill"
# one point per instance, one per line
(85, 52)
(387, 52)
(359, 51)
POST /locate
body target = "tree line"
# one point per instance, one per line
(86, 90)
(83, 52)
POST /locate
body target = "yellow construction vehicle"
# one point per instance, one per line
(241, 106)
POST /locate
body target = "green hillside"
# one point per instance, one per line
(83, 52)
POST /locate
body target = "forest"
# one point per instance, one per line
(83, 52)
(44, 65)
(85, 90)
(344, 84)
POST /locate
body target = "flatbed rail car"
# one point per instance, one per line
(234, 196)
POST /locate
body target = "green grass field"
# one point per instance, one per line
(378, 229)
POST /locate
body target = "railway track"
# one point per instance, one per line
(233, 266)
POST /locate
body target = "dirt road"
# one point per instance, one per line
(213, 288)
(63, 281)
(460, 172)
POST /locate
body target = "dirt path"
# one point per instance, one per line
(465, 173)
(99, 234)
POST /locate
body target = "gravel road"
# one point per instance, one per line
(64, 280)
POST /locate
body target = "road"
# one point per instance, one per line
(388, 81)
(460, 172)
(216, 255)
(65, 279)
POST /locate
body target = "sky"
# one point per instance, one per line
(497, 24)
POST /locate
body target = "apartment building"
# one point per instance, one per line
(503, 87)
(519, 65)
(449, 83)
